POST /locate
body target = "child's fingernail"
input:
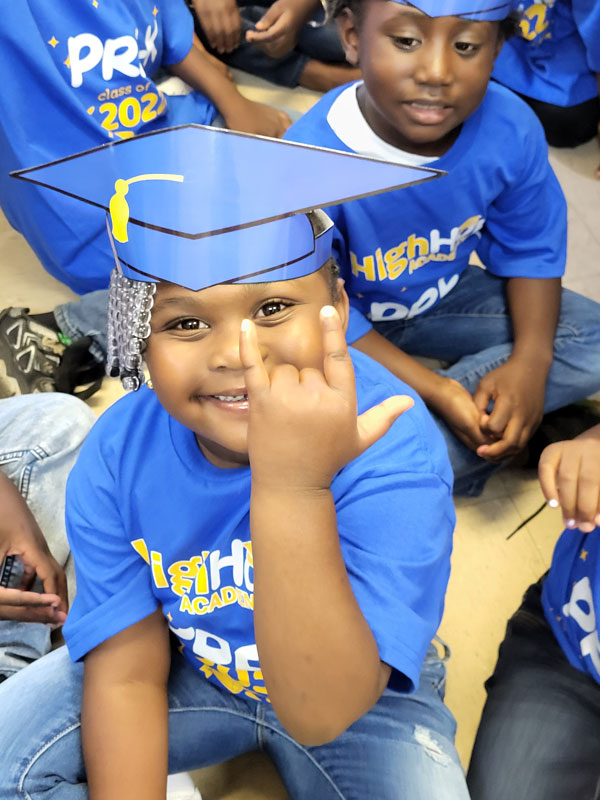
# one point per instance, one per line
(245, 327)
(327, 311)
(553, 502)
(586, 527)
(570, 523)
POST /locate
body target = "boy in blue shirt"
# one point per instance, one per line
(517, 346)
(554, 64)
(538, 736)
(239, 504)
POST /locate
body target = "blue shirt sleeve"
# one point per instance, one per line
(178, 31)
(586, 14)
(526, 228)
(114, 587)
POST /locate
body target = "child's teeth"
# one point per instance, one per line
(230, 398)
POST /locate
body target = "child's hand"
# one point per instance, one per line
(455, 405)
(277, 31)
(21, 536)
(516, 390)
(250, 117)
(221, 23)
(569, 475)
(303, 425)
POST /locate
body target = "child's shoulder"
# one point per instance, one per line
(313, 126)
(503, 113)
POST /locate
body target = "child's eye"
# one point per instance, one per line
(405, 42)
(188, 324)
(467, 48)
(271, 307)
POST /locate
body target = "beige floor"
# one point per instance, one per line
(489, 574)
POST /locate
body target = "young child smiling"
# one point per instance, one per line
(262, 503)
(515, 344)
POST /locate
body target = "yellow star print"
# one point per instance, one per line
(95, 3)
(53, 41)
(583, 555)
(67, 62)
(154, 11)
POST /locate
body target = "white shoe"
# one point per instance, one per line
(182, 787)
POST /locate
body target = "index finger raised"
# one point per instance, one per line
(255, 373)
(337, 364)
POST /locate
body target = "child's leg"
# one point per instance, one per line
(40, 738)
(40, 436)
(538, 737)
(86, 317)
(471, 329)
(402, 748)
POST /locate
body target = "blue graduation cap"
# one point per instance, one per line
(197, 206)
(488, 10)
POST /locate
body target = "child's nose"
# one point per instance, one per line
(434, 67)
(225, 348)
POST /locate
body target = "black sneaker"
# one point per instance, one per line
(35, 358)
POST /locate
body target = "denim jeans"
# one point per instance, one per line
(40, 436)
(471, 330)
(86, 316)
(539, 736)
(401, 749)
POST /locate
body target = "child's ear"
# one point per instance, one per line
(348, 31)
(342, 304)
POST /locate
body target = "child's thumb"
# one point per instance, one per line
(376, 422)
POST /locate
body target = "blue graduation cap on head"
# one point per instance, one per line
(197, 206)
(488, 10)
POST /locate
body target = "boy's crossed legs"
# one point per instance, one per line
(471, 329)
(402, 748)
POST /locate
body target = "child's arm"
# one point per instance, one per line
(317, 653)
(444, 396)
(570, 478)
(124, 715)
(277, 31)
(517, 387)
(20, 535)
(239, 113)
(221, 23)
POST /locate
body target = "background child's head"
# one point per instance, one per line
(423, 75)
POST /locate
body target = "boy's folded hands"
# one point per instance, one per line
(277, 31)
(221, 23)
(569, 475)
(303, 424)
(517, 394)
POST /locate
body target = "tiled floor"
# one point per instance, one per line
(489, 573)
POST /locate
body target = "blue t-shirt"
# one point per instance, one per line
(571, 598)
(78, 75)
(151, 522)
(557, 54)
(401, 252)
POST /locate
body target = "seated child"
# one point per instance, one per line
(84, 78)
(538, 736)
(554, 66)
(405, 255)
(40, 436)
(286, 41)
(237, 506)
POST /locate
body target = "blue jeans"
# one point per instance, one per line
(539, 736)
(401, 749)
(40, 436)
(471, 329)
(86, 317)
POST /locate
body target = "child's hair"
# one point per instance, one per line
(508, 26)
(130, 308)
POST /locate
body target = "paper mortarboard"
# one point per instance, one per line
(487, 10)
(197, 206)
